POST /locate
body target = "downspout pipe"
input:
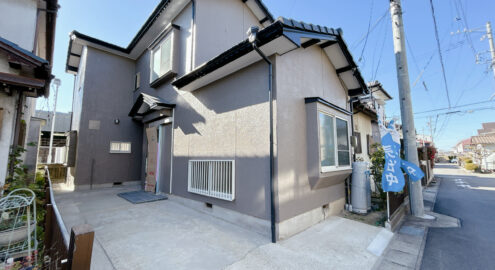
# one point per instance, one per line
(252, 32)
(348, 191)
(351, 105)
(193, 33)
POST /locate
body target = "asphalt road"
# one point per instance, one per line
(470, 198)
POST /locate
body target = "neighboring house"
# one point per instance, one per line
(32, 145)
(487, 142)
(424, 140)
(488, 129)
(185, 110)
(61, 129)
(27, 30)
(483, 150)
(464, 146)
(485, 138)
(488, 162)
(365, 120)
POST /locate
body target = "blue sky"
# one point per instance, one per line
(117, 21)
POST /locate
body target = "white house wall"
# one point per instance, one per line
(362, 124)
(11, 25)
(7, 103)
(79, 91)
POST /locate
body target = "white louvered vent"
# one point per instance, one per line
(213, 178)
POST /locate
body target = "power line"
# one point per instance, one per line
(373, 75)
(474, 86)
(371, 28)
(409, 47)
(456, 112)
(462, 13)
(440, 51)
(460, 106)
(367, 32)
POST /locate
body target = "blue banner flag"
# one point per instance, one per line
(392, 177)
(414, 172)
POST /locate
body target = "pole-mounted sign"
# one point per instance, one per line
(393, 177)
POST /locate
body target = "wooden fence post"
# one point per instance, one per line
(81, 247)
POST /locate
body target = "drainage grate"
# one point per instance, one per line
(141, 196)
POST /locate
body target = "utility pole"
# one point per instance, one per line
(56, 82)
(492, 47)
(430, 124)
(415, 189)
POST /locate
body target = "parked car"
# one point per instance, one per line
(454, 160)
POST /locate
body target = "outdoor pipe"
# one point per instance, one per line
(193, 31)
(348, 191)
(253, 31)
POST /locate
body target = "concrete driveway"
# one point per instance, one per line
(169, 235)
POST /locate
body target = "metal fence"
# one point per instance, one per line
(213, 178)
(59, 155)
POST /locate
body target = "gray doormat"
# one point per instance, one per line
(141, 196)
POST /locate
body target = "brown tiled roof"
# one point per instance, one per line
(483, 139)
(465, 142)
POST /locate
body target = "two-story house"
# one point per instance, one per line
(255, 126)
(27, 31)
(365, 119)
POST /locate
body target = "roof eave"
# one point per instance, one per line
(292, 31)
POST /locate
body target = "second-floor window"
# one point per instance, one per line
(161, 62)
(164, 52)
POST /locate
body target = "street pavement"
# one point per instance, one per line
(471, 198)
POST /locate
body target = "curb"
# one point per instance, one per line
(406, 249)
(419, 260)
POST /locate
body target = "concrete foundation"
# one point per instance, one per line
(251, 223)
(301, 222)
(107, 185)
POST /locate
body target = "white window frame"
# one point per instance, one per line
(335, 167)
(170, 33)
(137, 81)
(120, 147)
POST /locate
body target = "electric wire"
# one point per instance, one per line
(440, 51)
(462, 12)
(455, 107)
(367, 32)
(371, 28)
(375, 72)
(456, 112)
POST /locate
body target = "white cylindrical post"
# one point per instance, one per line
(56, 82)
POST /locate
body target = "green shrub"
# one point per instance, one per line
(376, 169)
(471, 166)
(468, 161)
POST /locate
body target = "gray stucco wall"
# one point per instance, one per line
(227, 119)
(220, 24)
(299, 74)
(107, 95)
